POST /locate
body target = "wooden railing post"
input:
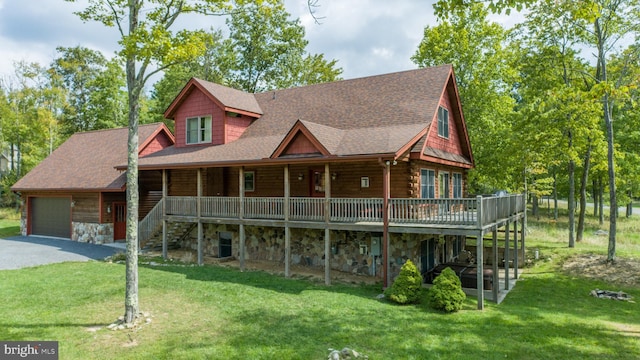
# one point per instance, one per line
(164, 214)
(241, 215)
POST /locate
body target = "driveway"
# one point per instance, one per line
(24, 251)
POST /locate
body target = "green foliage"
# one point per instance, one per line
(446, 293)
(407, 287)
(94, 86)
(484, 74)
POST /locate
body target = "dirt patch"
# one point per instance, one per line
(622, 272)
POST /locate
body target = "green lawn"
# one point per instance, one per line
(215, 312)
(9, 222)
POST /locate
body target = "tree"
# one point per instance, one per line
(605, 23)
(476, 48)
(95, 95)
(265, 51)
(148, 46)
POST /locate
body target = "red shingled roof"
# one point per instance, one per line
(86, 161)
(377, 115)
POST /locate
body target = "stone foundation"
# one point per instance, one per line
(351, 251)
(92, 233)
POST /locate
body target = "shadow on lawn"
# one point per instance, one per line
(265, 280)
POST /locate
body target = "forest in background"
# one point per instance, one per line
(543, 101)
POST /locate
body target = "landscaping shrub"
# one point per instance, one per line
(446, 293)
(407, 287)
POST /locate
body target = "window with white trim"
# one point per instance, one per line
(443, 122)
(427, 184)
(457, 185)
(198, 130)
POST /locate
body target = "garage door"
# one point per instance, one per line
(51, 216)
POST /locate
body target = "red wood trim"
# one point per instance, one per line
(161, 128)
(299, 127)
(461, 123)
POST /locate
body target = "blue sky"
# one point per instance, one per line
(367, 37)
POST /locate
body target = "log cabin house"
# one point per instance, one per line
(355, 175)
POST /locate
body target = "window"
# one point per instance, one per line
(457, 185)
(443, 122)
(427, 184)
(199, 130)
(444, 184)
(249, 180)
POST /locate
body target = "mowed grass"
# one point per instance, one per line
(9, 222)
(214, 312)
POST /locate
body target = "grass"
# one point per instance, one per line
(9, 222)
(213, 312)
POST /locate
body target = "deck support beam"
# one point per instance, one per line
(507, 255)
(287, 230)
(327, 219)
(164, 214)
(480, 255)
(515, 247)
(495, 277)
(199, 213)
(386, 184)
(241, 216)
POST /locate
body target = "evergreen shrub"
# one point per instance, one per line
(446, 293)
(407, 287)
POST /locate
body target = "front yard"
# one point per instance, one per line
(215, 312)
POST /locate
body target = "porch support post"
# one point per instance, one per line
(327, 219)
(287, 231)
(386, 179)
(479, 255)
(164, 214)
(199, 213)
(507, 255)
(241, 215)
(515, 244)
(523, 228)
(494, 265)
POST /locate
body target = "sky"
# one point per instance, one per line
(367, 37)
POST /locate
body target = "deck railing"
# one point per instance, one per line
(148, 226)
(459, 211)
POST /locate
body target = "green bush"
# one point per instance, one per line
(407, 287)
(446, 293)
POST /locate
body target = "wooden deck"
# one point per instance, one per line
(462, 214)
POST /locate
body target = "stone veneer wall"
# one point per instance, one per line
(307, 247)
(83, 232)
(92, 233)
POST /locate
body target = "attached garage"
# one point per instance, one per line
(50, 216)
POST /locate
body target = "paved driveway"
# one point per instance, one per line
(24, 251)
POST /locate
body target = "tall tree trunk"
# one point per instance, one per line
(555, 196)
(594, 192)
(630, 204)
(131, 304)
(583, 193)
(608, 122)
(601, 201)
(571, 202)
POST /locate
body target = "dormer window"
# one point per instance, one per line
(443, 122)
(199, 130)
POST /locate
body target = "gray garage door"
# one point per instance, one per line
(51, 216)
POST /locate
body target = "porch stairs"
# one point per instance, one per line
(176, 232)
